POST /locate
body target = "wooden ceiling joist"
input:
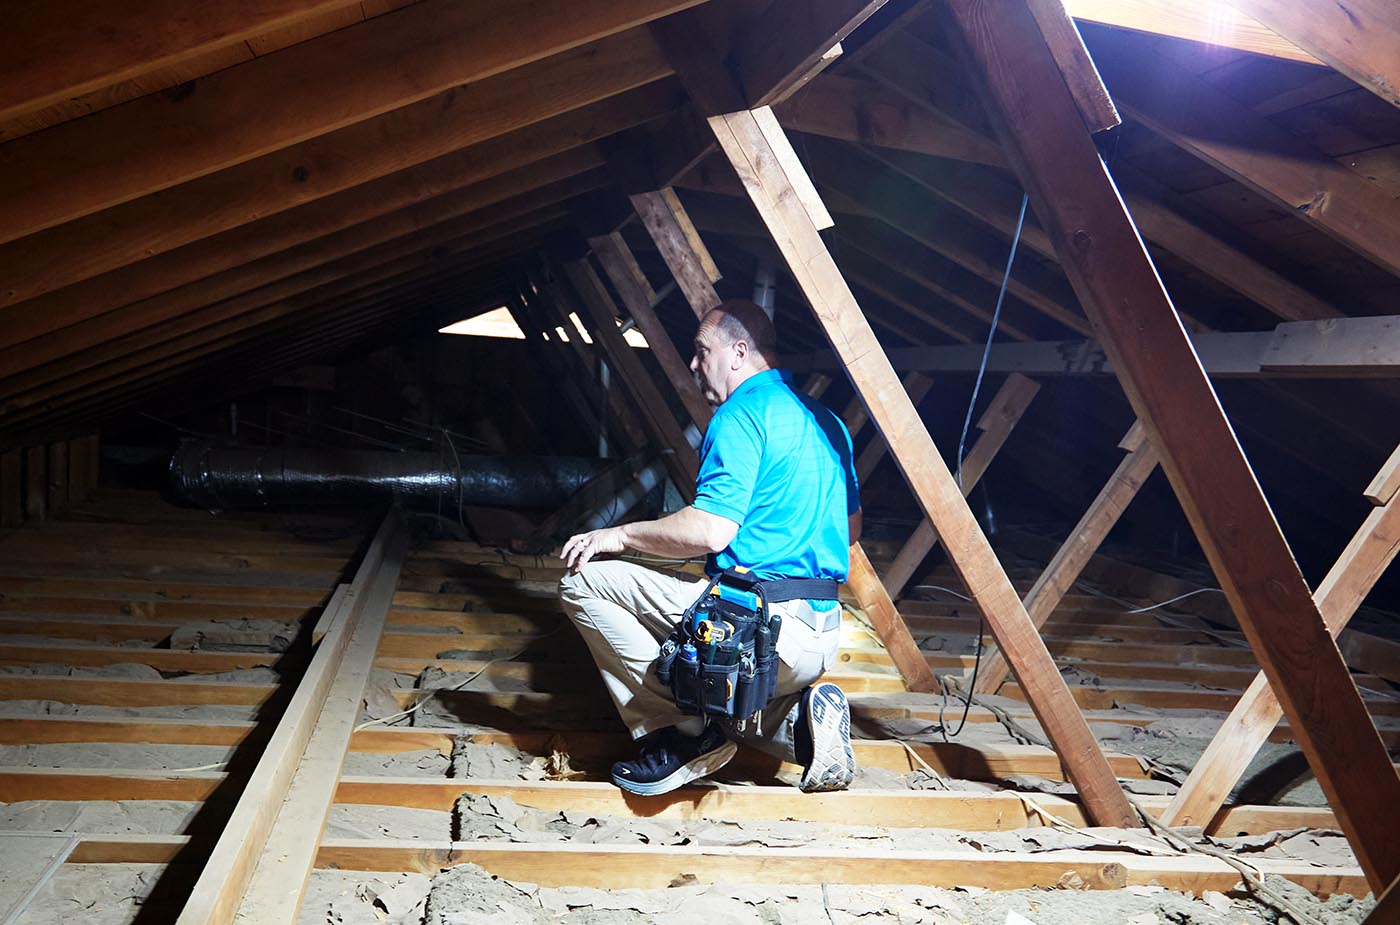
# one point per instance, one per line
(1080, 209)
(1204, 21)
(316, 87)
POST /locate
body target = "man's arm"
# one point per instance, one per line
(855, 522)
(683, 535)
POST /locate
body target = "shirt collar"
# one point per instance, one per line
(758, 380)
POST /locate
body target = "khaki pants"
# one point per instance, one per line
(624, 611)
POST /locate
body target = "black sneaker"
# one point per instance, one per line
(670, 760)
(826, 720)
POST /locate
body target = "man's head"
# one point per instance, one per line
(735, 341)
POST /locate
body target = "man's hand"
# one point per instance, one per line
(584, 546)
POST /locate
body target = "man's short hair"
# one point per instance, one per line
(742, 319)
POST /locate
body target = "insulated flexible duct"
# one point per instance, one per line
(230, 477)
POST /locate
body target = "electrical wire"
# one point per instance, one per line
(962, 444)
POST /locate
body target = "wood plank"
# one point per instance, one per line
(995, 425)
(1369, 346)
(114, 692)
(56, 51)
(679, 244)
(776, 50)
(1079, 207)
(1197, 117)
(621, 269)
(655, 867)
(1357, 37)
(45, 730)
(1386, 483)
(862, 579)
(836, 309)
(49, 653)
(275, 872)
(917, 385)
(667, 434)
(229, 867)
(1090, 95)
(1084, 539)
(318, 86)
(490, 127)
(1195, 21)
(1248, 726)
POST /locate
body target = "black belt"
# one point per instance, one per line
(796, 589)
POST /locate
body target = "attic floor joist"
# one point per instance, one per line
(496, 738)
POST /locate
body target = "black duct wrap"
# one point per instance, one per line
(232, 477)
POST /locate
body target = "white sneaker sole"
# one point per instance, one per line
(698, 767)
(829, 723)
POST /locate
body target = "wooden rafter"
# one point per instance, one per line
(1078, 206)
(1195, 20)
(1079, 547)
(1248, 726)
(995, 426)
(811, 265)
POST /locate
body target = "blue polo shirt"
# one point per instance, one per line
(779, 464)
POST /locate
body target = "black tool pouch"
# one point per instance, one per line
(722, 658)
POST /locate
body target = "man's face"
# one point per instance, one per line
(713, 362)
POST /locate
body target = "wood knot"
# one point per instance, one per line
(300, 174)
(1082, 239)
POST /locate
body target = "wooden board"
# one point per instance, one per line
(746, 147)
(1079, 207)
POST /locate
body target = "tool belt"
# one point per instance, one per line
(721, 660)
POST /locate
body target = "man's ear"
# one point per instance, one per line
(741, 354)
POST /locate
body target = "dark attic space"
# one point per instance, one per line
(922, 462)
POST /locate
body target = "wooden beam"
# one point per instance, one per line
(400, 159)
(273, 833)
(666, 433)
(1081, 78)
(679, 244)
(1079, 207)
(1247, 727)
(776, 50)
(58, 476)
(1197, 117)
(995, 425)
(309, 89)
(1194, 20)
(917, 385)
(1079, 547)
(622, 270)
(1338, 348)
(817, 275)
(861, 110)
(53, 52)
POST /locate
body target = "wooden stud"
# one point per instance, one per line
(1248, 726)
(797, 238)
(1077, 204)
(281, 812)
(1084, 540)
(667, 434)
(996, 424)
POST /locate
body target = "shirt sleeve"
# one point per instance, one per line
(729, 460)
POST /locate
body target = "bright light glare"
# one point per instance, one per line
(495, 323)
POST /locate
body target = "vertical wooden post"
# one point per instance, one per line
(11, 488)
(1078, 206)
(58, 476)
(996, 424)
(1084, 540)
(1247, 727)
(765, 177)
(36, 483)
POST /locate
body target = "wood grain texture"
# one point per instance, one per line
(995, 425)
(1194, 20)
(799, 241)
(1083, 541)
(284, 98)
(1079, 207)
